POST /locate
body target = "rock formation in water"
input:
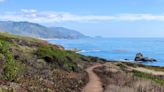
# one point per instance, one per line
(140, 57)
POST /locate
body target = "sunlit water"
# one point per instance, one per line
(118, 48)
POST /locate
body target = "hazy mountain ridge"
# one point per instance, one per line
(39, 31)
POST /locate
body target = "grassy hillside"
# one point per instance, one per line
(33, 65)
(28, 64)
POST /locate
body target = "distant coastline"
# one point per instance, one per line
(51, 39)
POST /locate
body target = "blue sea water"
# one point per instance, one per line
(118, 48)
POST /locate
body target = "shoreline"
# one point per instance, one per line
(51, 39)
(79, 51)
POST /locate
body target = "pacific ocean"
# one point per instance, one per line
(118, 48)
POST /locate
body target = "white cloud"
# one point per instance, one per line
(2, 0)
(50, 17)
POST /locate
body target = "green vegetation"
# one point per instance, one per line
(148, 76)
(30, 64)
(7, 90)
(122, 66)
(1, 56)
(93, 59)
(12, 69)
(7, 36)
(133, 64)
(65, 59)
(155, 68)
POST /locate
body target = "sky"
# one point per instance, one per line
(107, 18)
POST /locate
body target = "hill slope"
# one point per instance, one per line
(33, 65)
(36, 30)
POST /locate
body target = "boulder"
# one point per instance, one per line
(149, 59)
(140, 57)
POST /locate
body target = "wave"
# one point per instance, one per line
(86, 51)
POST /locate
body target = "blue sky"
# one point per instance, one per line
(108, 18)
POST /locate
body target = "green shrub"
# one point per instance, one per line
(132, 64)
(6, 89)
(94, 59)
(1, 56)
(122, 67)
(12, 69)
(65, 59)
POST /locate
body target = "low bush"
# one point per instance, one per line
(12, 69)
(65, 59)
(122, 67)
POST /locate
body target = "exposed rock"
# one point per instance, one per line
(126, 59)
(74, 50)
(149, 59)
(140, 57)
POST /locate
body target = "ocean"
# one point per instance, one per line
(118, 48)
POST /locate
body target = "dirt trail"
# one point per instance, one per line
(94, 84)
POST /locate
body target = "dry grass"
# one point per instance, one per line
(121, 81)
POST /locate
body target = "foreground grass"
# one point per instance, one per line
(148, 76)
(32, 65)
(125, 65)
(155, 68)
(118, 77)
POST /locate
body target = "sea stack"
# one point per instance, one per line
(140, 57)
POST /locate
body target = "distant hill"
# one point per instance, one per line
(39, 31)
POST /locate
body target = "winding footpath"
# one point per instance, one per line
(94, 84)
